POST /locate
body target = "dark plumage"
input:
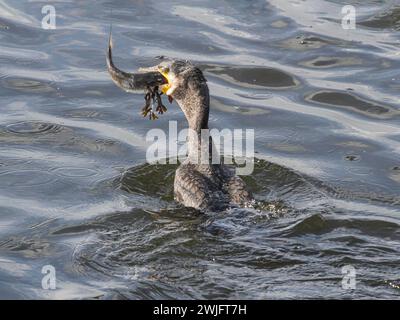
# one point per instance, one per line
(200, 185)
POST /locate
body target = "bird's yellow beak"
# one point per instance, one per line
(165, 72)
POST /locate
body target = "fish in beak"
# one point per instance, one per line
(148, 80)
(132, 82)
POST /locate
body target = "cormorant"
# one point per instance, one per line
(198, 184)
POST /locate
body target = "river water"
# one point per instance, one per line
(76, 192)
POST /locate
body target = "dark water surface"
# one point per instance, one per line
(76, 192)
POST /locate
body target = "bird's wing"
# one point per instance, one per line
(193, 189)
(236, 188)
(238, 192)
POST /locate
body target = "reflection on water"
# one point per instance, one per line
(262, 77)
(76, 191)
(389, 18)
(341, 99)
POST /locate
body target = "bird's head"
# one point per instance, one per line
(187, 85)
(179, 79)
(183, 79)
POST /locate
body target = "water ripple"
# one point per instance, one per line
(25, 178)
(33, 127)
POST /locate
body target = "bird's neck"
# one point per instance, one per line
(196, 109)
